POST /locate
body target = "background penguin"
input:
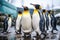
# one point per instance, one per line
(44, 15)
(18, 22)
(4, 22)
(53, 22)
(42, 24)
(36, 19)
(46, 18)
(26, 21)
(47, 22)
(42, 20)
(9, 22)
(49, 15)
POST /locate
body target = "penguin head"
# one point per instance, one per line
(37, 6)
(9, 15)
(52, 11)
(44, 11)
(19, 12)
(25, 8)
(49, 11)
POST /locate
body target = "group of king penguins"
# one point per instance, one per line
(39, 21)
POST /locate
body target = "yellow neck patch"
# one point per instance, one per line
(35, 11)
(26, 13)
(43, 12)
(19, 14)
(48, 14)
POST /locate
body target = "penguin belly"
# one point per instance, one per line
(9, 24)
(18, 22)
(26, 24)
(50, 28)
(35, 22)
(45, 20)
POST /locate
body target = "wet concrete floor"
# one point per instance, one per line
(14, 36)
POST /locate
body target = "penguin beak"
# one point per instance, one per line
(37, 6)
(33, 4)
(25, 8)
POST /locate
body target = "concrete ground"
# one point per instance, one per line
(14, 36)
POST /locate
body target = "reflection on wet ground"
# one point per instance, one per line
(13, 36)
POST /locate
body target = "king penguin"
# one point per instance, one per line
(18, 22)
(49, 15)
(36, 19)
(47, 22)
(53, 22)
(9, 22)
(42, 23)
(44, 15)
(26, 22)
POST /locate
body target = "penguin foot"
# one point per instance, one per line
(17, 32)
(42, 36)
(27, 35)
(54, 32)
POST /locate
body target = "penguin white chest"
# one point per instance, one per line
(35, 21)
(26, 23)
(18, 22)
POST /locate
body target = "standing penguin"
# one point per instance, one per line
(42, 24)
(18, 22)
(26, 21)
(49, 16)
(36, 19)
(4, 22)
(53, 22)
(47, 22)
(44, 15)
(9, 22)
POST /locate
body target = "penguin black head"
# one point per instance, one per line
(49, 11)
(19, 12)
(44, 10)
(26, 8)
(9, 15)
(52, 11)
(37, 6)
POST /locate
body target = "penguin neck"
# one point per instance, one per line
(19, 14)
(9, 18)
(43, 13)
(48, 14)
(35, 11)
(26, 12)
